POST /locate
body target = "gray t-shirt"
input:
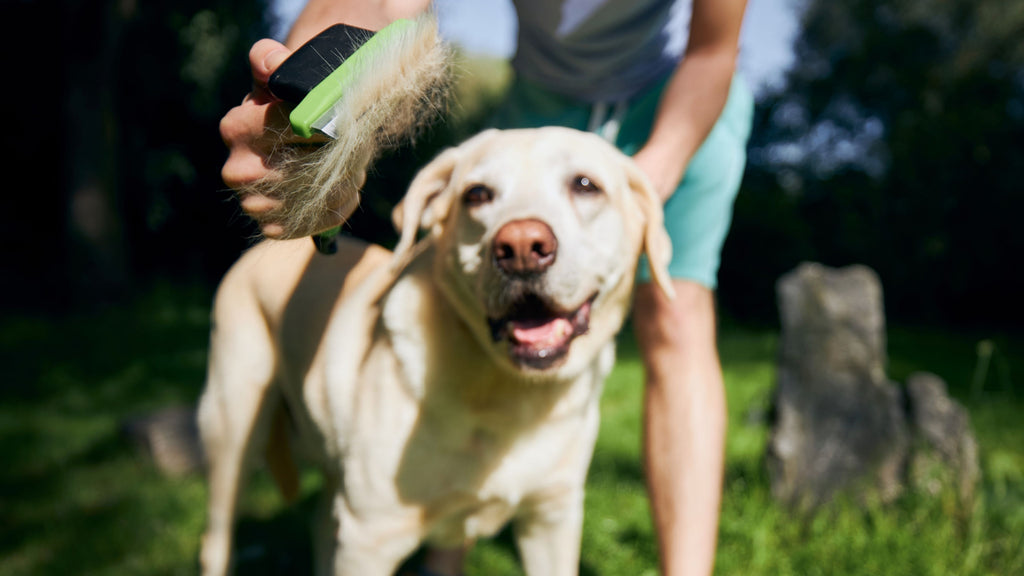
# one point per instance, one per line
(599, 50)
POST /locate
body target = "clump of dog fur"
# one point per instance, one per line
(402, 90)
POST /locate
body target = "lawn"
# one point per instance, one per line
(75, 498)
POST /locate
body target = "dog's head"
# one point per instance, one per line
(537, 235)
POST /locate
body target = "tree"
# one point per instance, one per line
(116, 140)
(898, 142)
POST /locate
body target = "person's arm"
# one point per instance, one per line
(370, 14)
(253, 129)
(696, 93)
(684, 404)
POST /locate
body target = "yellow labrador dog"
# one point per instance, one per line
(450, 387)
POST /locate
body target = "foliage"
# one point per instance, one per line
(118, 144)
(77, 499)
(184, 65)
(895, 142)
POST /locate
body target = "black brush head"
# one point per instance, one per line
(315, 60)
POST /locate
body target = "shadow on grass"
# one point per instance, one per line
(279, 545)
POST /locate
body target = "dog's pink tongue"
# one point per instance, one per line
(549, 333)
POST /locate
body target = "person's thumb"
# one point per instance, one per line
(264, 57)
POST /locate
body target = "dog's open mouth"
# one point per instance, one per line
(538, 334)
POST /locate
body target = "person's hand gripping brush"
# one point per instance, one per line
(328, 111)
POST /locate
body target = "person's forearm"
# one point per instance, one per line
(370, 14)
(690, 106)
(696, 93)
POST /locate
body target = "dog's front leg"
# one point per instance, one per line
(548, 534)
(233, 416)
(375, 547)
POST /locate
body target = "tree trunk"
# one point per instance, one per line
(96, 266)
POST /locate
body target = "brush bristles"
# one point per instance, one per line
(399, 92)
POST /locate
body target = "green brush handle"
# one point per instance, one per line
(326, 242)
(301, 81)
(314, 112)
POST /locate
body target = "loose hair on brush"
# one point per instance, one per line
(400, 89)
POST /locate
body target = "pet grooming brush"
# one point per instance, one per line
(317, 75)
(366, 91)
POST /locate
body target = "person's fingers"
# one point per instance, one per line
(235, 125)
(256, 133)
(265, 210)
(264, 57)
(252, 131)
(272, 230)
(261, 209)
(243, 167)
(258, 206)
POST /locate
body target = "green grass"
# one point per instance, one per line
(75, 499)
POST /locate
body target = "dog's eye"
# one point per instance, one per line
(477, 195)
(584, 185)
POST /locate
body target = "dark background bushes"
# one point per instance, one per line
(896, 141)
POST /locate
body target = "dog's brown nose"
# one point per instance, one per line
(525, 247)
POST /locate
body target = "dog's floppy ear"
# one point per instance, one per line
(428, 200)
(656, 241)
(423, 206)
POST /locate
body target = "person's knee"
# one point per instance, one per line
(685, 322)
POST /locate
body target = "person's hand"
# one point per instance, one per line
(253, 131)
(663, 167)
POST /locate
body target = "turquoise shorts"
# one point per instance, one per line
(698, 214)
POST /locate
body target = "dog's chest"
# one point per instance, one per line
(484, 483)
(489, 470)
(470, 521)
(465, 445)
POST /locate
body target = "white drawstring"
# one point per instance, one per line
(597, 116)
(604, 125)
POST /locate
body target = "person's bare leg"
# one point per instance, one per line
(684, 425)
